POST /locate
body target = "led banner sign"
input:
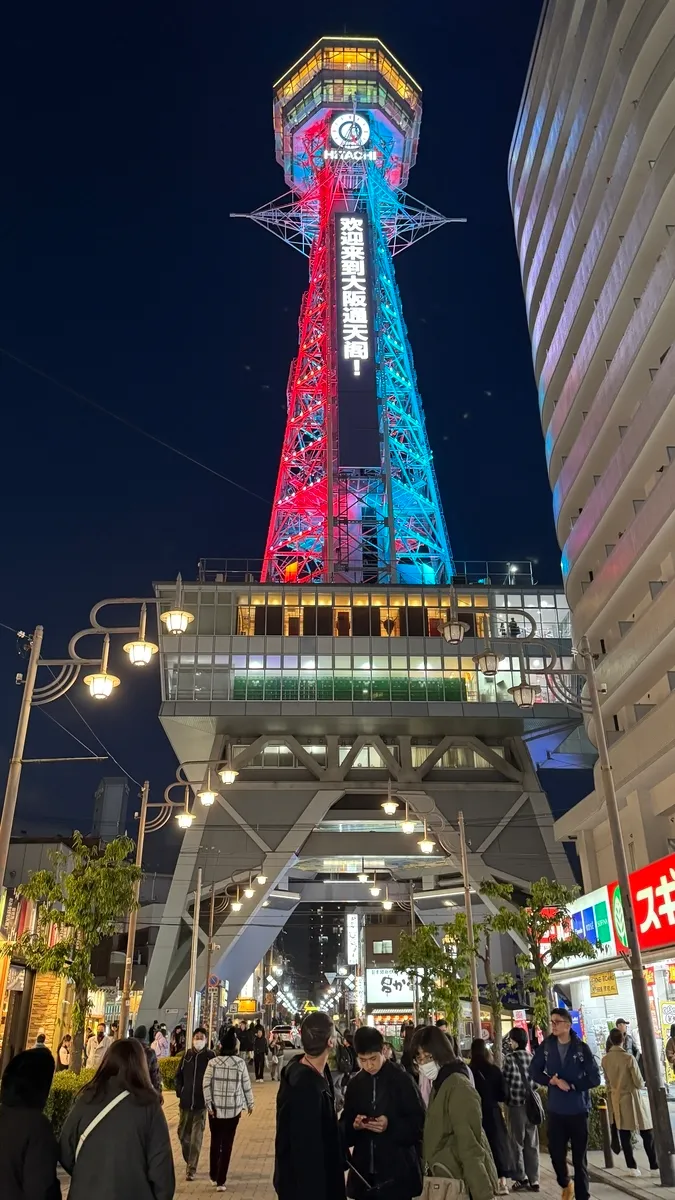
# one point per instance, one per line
(357, 392)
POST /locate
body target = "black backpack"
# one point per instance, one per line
(343, 1059)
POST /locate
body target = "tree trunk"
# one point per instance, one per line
(81, 997)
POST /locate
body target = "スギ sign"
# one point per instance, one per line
(653, 894)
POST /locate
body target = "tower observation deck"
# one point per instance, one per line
(356, 499)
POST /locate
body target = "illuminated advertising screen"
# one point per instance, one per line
(358, 425)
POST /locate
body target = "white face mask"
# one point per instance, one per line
(199, 1043)
(429, 1069)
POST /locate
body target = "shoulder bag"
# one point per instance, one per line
(442, 1186)
(97, 1120)
(534, 1109)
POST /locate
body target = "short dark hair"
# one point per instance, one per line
(229, 1043)
(315, 1032)
(620, 1021)
(519, 1036)
(616, 1037)
(434, 1042)
(441, 1023)
(41, 1039)
(200, 1029)
(368, 1040)
(562, 1012)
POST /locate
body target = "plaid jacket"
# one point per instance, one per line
(515, 1079)
(227, 1086)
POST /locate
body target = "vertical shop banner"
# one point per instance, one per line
(667, 1014)
(653, 895)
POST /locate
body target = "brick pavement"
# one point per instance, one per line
(250, 1175)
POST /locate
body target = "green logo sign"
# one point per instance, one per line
(602, 925)
(617, 913)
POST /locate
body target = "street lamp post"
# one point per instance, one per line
(524, 696)
(15, 763)
(133, 917)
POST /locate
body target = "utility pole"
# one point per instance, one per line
(209, 952)
(133, 917)
(16, 761)
(475, 999)
(192, 983)
(663, 1134)
(412, 930)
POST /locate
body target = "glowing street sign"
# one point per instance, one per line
(353, 284)
(359, 434)
(352, 923)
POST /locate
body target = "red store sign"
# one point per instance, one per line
(653, 894)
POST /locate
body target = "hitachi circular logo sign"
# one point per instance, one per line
(349, 131)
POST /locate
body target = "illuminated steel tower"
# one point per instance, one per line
(356, 497)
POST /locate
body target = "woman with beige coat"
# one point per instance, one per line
(628, 1104)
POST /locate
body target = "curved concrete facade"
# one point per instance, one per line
(592, 186)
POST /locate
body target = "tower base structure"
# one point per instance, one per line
(324, 700)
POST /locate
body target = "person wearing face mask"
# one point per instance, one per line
(454, 1139)
(382, 1124)
(190, 1092)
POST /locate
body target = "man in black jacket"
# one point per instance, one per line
(190, 1092)
(28, 1149)
(309, 1160)
(153, 1065)
(382, 1123)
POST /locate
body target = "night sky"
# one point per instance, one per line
(129, 134)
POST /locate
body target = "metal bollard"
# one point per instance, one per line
(606, 1134)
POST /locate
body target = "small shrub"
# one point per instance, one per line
(64, 1090)
(167, 1069)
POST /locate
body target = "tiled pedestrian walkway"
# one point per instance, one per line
(252, 1165)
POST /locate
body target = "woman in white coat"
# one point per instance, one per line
(629, 1107)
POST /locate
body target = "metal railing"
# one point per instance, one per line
(468, 572)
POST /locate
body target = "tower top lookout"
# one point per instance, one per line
(342, 75)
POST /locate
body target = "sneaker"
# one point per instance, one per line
(534, 1187)
(521, 1185)
(635, 1171)
(567, 1192)
(189, 1175)
(222, 1187)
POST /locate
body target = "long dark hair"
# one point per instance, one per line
(126, 1063)
(480, 1054)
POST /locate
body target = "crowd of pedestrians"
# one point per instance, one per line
(352, 1121)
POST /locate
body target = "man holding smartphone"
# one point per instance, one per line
(382, 1124)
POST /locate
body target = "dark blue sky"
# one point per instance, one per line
(129, 134)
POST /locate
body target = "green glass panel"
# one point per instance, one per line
(381, 688)
(324, 687)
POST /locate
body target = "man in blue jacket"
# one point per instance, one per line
(564, 1064)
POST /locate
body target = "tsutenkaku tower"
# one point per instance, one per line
(356, 497)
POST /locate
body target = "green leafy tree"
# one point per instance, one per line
(496, 983)
(86, 895)
(547, 907)
(453, 981)
(422, 960)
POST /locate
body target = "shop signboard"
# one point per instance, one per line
(653, 894)
(650, 978)
(352, 931)
(590, 918)
(667, 1019)
(671, 972)
(386, 986)
(604, 984)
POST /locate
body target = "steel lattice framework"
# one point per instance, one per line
(332, 522)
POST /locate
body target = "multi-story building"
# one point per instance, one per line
(592, 185)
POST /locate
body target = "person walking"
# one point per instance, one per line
(382, 1124)
(524, 1135)
(190, 1092)
(151, 1059)
(28, 1148)
(63, 1053)
(97, 1047)
(227, 1092)
(115, 1141)
(160, 1043)
(275, 1047)
(489, 1083)
(309, 1162)
(177, 1041)
(454, 1138)
(260, 1049)
(565, 1065)
(628, 1101)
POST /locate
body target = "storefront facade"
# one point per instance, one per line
(600, 990)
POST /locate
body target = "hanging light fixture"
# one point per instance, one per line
(407, 826)
(363, 878)
(177, 619)
(375, 890)
(207, 794)
(262, 879)
(387, 904)
(184, 816)
(236, 904)
(101, 682)
(453, 630)
(227, 772)
(141, 651)
(426, 845)
(487, 661)
(389, 805)
(249, 892)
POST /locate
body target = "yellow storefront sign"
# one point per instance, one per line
(604, 984)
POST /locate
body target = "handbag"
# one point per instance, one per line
(441, 1187)
(534, 1109)
(97, 1120)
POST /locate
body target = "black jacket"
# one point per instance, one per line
(153, 1068)
(491, 1088)
(190, 1079)
(28, 1150)
(127, 1155)
(392, 1158)
(260, 1047)
(308, 1155)
(245, 1039)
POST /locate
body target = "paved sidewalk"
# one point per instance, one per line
(250, 1176)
